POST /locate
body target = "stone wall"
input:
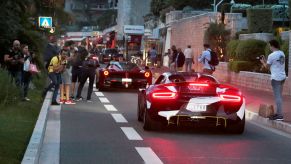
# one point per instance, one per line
(259, 36)
(252, 80)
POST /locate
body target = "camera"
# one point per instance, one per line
(260, 57)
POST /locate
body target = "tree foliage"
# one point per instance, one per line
(217, 36)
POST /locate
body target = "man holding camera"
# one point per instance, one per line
(14, 62)
(276, 64)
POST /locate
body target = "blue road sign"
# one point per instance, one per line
(45, 22)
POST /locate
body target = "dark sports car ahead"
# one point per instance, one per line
(191, 99)
(123, 75)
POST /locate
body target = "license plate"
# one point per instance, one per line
(197, 108)
(194, 88)
(126, 80)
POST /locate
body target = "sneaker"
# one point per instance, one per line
(276, 117)
(26, 99)
(55, 103)
(69, 102)
(89, 101)
(62, 101)
(79, 98)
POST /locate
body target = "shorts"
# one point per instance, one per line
(76, 75)
(66, 77)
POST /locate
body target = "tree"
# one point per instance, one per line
(217, 36)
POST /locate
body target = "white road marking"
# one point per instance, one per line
(130, 133)
(99, 94)
(110, 108)
(148, 155)
(104, 100)
(119, 118)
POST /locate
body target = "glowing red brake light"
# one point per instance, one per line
(231, 98)
(199, 84)
(147, 74)
(106, 73)
(165, 95)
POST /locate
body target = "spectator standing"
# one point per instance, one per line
(66, 80)
(51, 50)
(276, 64)
(173, 66)
(77, 62)
(88, 71)
(189, 58)
(204, 58)
(26, 75)
(153, 56)
(14, 62)
(180, 60)
(56, 66)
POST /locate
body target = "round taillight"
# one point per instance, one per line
(147, 74)
(106, 73)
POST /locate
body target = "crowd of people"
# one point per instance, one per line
(69, 69)
(18, 61)
(183, 60)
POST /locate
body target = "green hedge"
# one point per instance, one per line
(231, 49)
(259, 20)
(249, 50)
(237, 66)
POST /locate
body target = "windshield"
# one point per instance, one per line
(192, 78)
(123, 66)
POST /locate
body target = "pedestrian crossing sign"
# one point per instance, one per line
(45, 22)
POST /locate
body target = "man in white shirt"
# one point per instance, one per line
(204, 58)
(276, 64)
(189, 58)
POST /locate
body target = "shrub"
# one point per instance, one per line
(237, 66)
(9, 92)
(231, 48)
(259, 20)
(249, 50)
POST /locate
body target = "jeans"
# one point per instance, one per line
(26, 78)
(188, 64)
(277, 90)
(16, 76)
(55, 82)
(86, 73)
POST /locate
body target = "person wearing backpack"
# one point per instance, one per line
(206, 59)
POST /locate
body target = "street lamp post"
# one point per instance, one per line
(231, 3)
(215, 6)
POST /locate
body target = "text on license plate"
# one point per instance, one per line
(196, 108)
(126, 80)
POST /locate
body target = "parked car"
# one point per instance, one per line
(123, 75)
(182, 99)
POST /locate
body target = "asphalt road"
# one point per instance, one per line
(107, 131)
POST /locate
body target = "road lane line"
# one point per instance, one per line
(119, 118)
(130, 133)
(104, 100)
(110, 108)
(99, 94)
(148, 155)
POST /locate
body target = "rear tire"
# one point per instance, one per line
(237, 128)
(147, 122)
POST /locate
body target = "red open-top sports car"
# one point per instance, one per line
(123, 74)
(181, 98)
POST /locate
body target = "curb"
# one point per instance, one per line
(33, 149)
(279, 125)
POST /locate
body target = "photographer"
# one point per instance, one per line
(14, 62)
(276, 64)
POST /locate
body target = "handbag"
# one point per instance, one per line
(33, 69)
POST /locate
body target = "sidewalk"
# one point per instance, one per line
(253, 98)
